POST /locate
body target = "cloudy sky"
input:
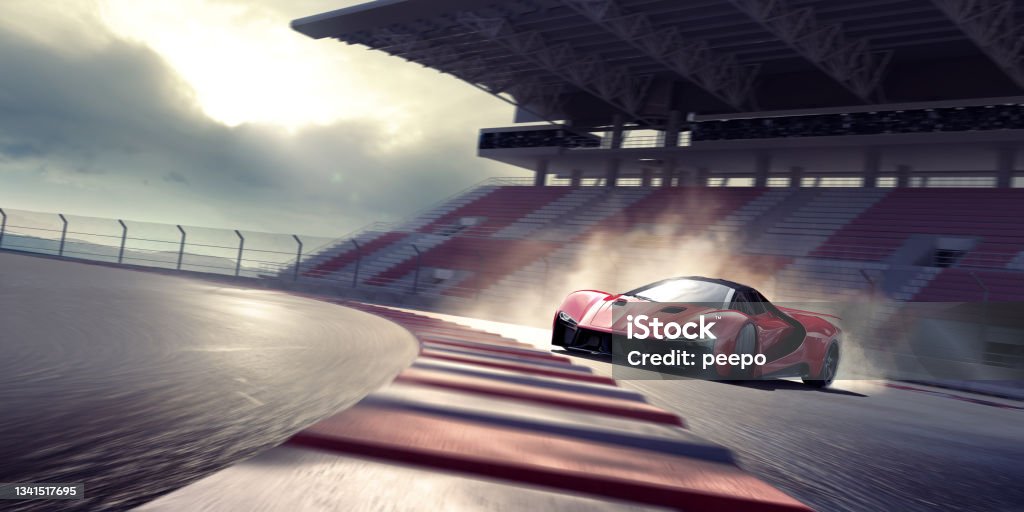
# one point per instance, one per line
(215, 113)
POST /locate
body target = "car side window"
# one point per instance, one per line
(761, 303)
(748, 302)
(756, 306)
(741, 302)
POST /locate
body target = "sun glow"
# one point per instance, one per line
(246, 65)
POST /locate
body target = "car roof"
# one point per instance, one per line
(731, 284)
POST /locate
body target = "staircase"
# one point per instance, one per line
(750, 212)
(812, 279)
(575, 201)
(811, 225)
(604, 203)
(397, 253)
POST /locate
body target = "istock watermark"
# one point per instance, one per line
(644, 327)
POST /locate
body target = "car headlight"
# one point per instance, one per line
(563, 316)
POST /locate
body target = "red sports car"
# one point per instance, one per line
(794, 343)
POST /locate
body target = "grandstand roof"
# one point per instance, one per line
(588, 60)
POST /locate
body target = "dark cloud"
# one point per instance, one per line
(114, 127)
(175, 177)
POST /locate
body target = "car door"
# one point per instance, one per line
(771, 330)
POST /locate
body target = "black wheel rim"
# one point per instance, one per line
(831, 364)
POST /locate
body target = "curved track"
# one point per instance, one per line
(136, 383)
(861, 446)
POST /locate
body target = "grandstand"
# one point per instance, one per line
(818, 150)
(810, 238)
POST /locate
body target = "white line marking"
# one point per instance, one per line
(250, 398)
(238, 349)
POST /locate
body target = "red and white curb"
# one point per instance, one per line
(536, 428)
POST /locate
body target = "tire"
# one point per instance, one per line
(829, 369)
(746, 343)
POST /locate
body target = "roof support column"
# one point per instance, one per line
(903, 175)
(672, 129)
(703, 176)
(796, 176)
(576, 178)
(645, 177)
(541, 177)
(764, 166)
(668, 172)
(618, 131)
(612, 172)
(1006, 162)
(872, 164)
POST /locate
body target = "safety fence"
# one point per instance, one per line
(240, 253)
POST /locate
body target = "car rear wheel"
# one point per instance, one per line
(829, 369)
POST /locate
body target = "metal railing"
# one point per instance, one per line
(167, 246)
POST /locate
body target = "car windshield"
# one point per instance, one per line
(683, 290)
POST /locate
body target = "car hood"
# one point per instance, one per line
(610, 315)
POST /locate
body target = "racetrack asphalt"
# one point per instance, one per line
(136, 384)
(862, 446)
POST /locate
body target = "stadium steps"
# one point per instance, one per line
(418, 221)
(816, 279)
(1017, 263)
(533, 276)
(343, 257)
(485, 261)
(486, 258)
(551, 213)
(599, 204)
(992, 217)
(492, 212)
(604, 204)
(749, 213)
(337, 248)
(808, 227)
(915, 284)
(653, 250)
(957, 284)
(398, 254)
(341, 254)
(679, 211)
